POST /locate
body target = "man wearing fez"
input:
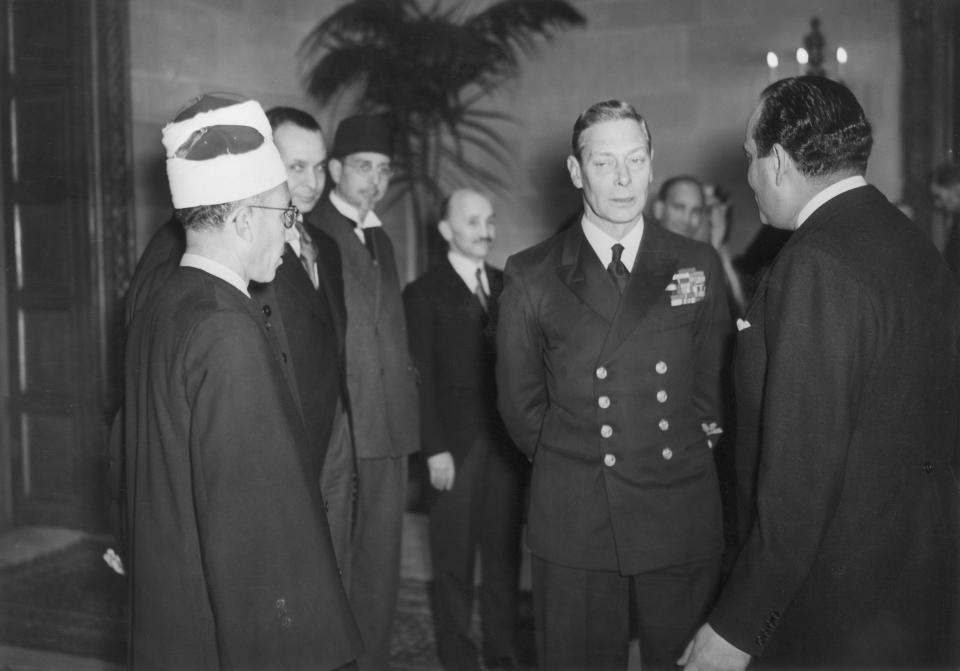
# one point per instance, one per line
(380, 375)
(609, 350)
(230, 555)
(475, 473)
(847, 392)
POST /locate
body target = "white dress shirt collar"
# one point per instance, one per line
(467, 270)
(830, 192)
(294, 241)
(214, 268)
(603, 244)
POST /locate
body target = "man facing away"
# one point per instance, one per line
(847, 392)
(380, 375)
(475, 473)
(230, 555)
(609, 350)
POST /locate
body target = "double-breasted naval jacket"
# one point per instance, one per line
(608, 395)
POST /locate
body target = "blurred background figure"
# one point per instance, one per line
(680, 208)
(719, 216)
(945, 188)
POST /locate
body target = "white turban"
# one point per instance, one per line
(221, 155)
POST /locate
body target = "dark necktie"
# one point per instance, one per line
(308, 255)
(367, 241)
(617, 270)
(479, 292)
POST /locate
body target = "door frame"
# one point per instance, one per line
(103, 131)
(930, 102)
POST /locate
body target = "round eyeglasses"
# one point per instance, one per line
(367, 168)
(291, 215)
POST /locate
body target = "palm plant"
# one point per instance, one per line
(430, 69)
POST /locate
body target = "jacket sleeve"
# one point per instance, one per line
(421, 335)
(521, 377)
(818, 350)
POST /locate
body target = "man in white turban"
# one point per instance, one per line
(230, 558)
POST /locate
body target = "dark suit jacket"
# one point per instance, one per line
(454, 352)
(232, 564)
(848, 403)
(575, 357)
(314, 320)
(380, 374)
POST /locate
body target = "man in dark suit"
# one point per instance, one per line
(230, 558)
(847, 392)
(309, 294)
(609, 347)
(475, 473)
(380, 374)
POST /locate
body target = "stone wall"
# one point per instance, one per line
(694, 68)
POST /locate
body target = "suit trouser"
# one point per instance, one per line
(482, 510)
(336, 486)
(582, 617)
(375, 569)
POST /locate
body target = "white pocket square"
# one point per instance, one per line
(742, 324)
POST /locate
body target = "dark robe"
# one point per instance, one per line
(230, 558)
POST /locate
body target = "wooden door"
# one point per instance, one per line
(65, 197)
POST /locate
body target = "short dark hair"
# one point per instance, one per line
(677, 179)
(818, 122)
(211, 217)
(204, 217)
(277, 116)
(608, 110)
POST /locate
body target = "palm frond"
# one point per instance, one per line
(519, 23)
(428, 64)
(360, 21)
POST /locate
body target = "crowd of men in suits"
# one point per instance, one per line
(277, 380)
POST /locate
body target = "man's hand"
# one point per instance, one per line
(708, 651)
(441, 470)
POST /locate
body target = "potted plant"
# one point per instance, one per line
(430, 69)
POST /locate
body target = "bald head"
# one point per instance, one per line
(467, 224)
(680, 207)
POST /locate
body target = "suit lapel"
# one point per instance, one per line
(356, 258)
(585, 276)
(298, 281)
(495, 278)
(652, 272)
